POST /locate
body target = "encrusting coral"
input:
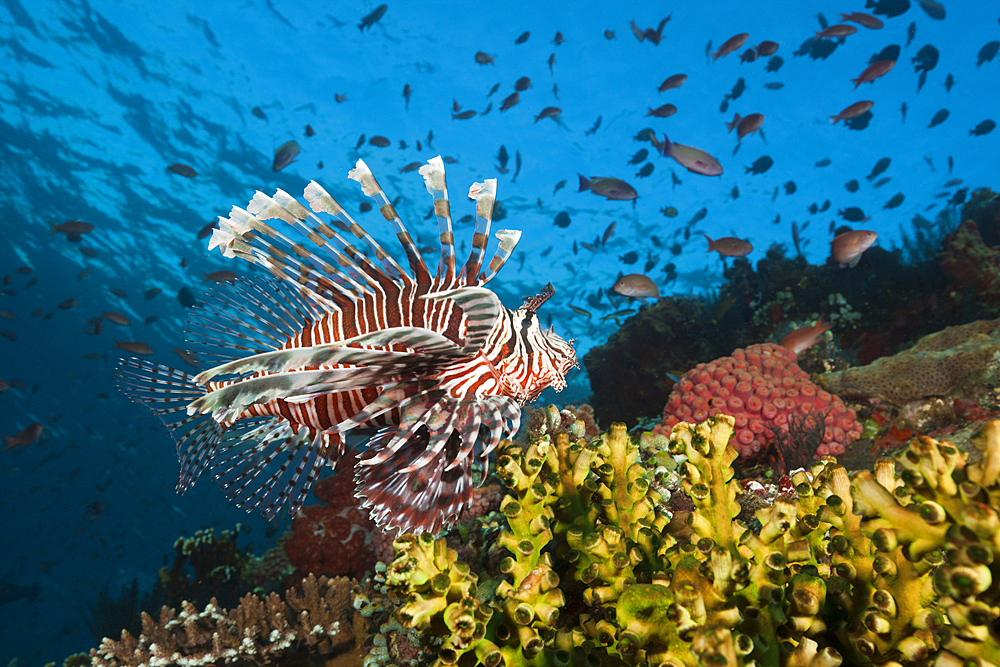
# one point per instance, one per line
(313, 619)
(869, 569)
(936, 365)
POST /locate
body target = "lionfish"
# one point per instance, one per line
(334, 342)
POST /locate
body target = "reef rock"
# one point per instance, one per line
(942, 364)
(764, 389)
(971, 264)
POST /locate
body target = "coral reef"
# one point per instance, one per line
(313, 620)
(972, 265)
(206, 567)
(941, 364)
(870, 569)
(763, 388)
(334, 538)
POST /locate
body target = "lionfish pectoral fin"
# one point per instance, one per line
(272, 465)
(482, 308)
(425, 499)
(167, 393)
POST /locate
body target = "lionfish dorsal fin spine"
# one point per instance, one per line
(485, 194)
(363, 175)
(437, 185)
(508, 241)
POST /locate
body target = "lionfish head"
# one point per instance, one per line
(549, 355)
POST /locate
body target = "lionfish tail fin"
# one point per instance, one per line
(167, 393)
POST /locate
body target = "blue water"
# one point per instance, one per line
(96, 99)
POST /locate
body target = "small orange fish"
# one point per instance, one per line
(730, 45)
(117, 318)
(549, 112)
(135, 347)
(637, 286)
(662, 111)
(877, 69)
(766, 48)
(802, 339)
(839, 30)
(285, 154)
(745, 125)
(608, 186)
(28, 436)
(847, 248)
(867, 20)
(728, 246)
(693, 159)
(853, 111)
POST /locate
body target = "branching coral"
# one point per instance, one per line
(870, 569)
(312, 620)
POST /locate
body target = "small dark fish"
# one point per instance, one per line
(911, 32)
(257, 111)
(888, 8)
(510, 101)
(465, 115)
(609, 231)
(523, 37)
(365, 207)
(407, 91)
(361, 142)
(959, 197)
(825, 162)
(698, 217)
(494, 89)
(902, 110)
(370, 19)
(774, 64)
(984, 127)
(930, 162)
(629, 258)
(896, 200)
(593, 129)
(825, 206)
(558, 39)
(852, 185)
(738, 89)
(735, 192)
(67, 304)
(813, 208)
(949, 82)
(549, 112)
(951, 164)
(646, 170)
(309, 131)
(662, 111)
(852, 214)
(774, 85)
(222, 276)
(790, 188)
(182, 170)
(551, 61)
(879, 167)
(560, 185)
(285, 154)
(609, 34)
(522, 84)
(926, 58)
(640, 156)
(379, 141)
(939, 118)
(774, 195)
(185, 297)
(517, 170)
(562, 219)
(882, 181)
(933, 8)
(484, 58)
(151, 293)
(987, 53)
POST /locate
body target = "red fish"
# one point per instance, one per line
(766, 48)
(694, 159)
(867, 20)
(28, 436)
(608, 186)
(802, 339)
(852, 111)
(746, 125)
(728, 246)
(847, 248)
(839, 30)
(730, 45)
(875, 70)
(637, 286)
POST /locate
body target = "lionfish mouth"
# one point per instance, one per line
(340, 339)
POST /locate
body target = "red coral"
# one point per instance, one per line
(334, 539)
(762, 387)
